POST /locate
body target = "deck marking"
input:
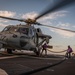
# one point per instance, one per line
(8, 57)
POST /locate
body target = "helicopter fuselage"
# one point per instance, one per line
(16, 39)
(22, 37)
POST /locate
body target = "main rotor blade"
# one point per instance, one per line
(56, 27)
(12, 19)
(58, 5)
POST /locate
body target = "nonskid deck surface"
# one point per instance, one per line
(16, 64)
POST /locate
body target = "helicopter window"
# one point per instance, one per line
(38, 30)
(6, 28)
(30, 31)
(13, 29)
(23, 30)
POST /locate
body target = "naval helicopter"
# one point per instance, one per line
(22, 37)
(27, 37)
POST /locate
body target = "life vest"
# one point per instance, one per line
(70, 50)
(44, 46)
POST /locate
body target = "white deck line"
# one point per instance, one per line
(8, 57)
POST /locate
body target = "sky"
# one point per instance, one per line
(63, 18)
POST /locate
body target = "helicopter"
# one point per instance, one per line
(22, 37)
(27, 37)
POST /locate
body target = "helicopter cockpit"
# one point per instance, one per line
(16, 29)
(6, 29)
(23, 30)
(9, 28)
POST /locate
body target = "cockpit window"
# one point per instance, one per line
(13, 29)
(6, 28)
(23, 30)
(10, 29)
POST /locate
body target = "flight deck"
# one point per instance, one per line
(20, 64)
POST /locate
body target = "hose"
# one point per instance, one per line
(57, 52)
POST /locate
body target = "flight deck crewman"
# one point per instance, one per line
(69, 51)
(44, 48)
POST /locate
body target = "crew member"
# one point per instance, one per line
(69, 51)
(44, 48)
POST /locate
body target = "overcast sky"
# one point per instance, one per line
(64, 18)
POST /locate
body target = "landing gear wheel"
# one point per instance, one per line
(9, 51)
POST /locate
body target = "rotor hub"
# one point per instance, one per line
(30, 21)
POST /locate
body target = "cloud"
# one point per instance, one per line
(45, 19)
(65, 34)
(7, 13)
(54, 15)
(3, 21)
(2, 25)
(63, 25)
(30, 15)
(73, 26)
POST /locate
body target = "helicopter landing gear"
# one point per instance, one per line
(9, 51)
(37, 51)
